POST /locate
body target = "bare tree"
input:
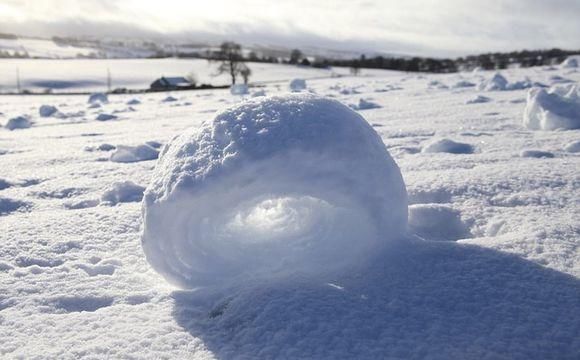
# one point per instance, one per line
(232, 61)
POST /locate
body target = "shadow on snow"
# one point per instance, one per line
(424, 299)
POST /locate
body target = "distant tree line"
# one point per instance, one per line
(489, 61)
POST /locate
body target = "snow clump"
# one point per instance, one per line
(448, 146)
(570, 63)
(122, 192)
(105, 117)
(47, 110)
(272, 187)
(129, 154)
(366, 105)
(497, 82)
(297, 85)
(552, 109)
(573, 147)
(98, 98)
(19, 122)
(479, 99)
(239, 89)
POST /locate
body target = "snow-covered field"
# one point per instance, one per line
(498, 204)
(76, 75)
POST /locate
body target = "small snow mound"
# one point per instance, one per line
(436, 84)
(122, 192)
(169, 99)
(437, 222)
(365, 105)
(573, 147)
(19, 122)
(105, 117)
(47, 110)
(129, 154)
(550, 111)
(297, 85)
(497, 82)
(463, 84)
(133, 102)
(536, 154)
(258, 93)
(239, 89)
(98, 98)
(479, 99)
(272, 187)
(448, 146)
(570, 63)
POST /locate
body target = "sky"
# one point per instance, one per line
(408, 27)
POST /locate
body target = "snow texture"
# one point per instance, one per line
(270, 188)
(549, 110)
(448, 146)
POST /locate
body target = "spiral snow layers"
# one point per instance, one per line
(271, 187)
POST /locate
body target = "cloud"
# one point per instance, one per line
(423, 27)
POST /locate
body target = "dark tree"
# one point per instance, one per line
(232, 61)
(295, 56)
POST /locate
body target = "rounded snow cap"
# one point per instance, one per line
(270, 187)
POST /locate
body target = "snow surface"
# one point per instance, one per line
(92, 75)
(261, 191)
(75, 283)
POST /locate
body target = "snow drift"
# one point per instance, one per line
(556, 108)
(271, 187)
